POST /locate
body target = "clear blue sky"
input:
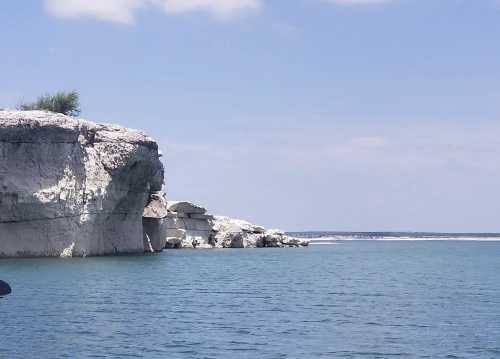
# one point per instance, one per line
(299, 114)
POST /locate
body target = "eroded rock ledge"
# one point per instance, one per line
(72, 187)
(189, 226)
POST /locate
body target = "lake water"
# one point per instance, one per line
(356, 299)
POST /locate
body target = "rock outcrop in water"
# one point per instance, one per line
(189, 226)
(237, 233)
(4, 288)
(74, 188)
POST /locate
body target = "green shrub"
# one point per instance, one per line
(66, 103)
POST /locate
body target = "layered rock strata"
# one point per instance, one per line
(189, 226)
(237, 233)
(72, 187)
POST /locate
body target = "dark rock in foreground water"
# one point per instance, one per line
(4, 288)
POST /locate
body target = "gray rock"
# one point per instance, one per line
(194, 225)
(154, 234)
(173, 243)
(191, 232)
(156, 206)
(201, 216)
(4, 288)
(231, 233)
(185, 207)
(154, 223)
(205, 231)
(72, 187)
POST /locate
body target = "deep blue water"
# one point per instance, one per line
(357, 299)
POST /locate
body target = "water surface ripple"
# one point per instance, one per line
(357, 299)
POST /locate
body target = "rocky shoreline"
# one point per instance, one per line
(70, 187)
(189, 226)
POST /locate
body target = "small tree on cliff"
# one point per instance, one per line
(66, 103)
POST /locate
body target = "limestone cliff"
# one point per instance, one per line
(72, 187)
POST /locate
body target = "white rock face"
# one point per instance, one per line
(237, 233)
(190, 227)
(72, 187)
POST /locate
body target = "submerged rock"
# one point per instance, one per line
(4, 288)
(71, 187)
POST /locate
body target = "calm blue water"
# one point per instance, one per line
(357, 299)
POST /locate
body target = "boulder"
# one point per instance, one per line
(173, 243)
(73, 187)
(272, 240)
(191, 232)
(4, 288)
(232, 225)
(275, 232)
(237, 233)
(253, 240)
(223, 239)
(185, 207)
(156, 206)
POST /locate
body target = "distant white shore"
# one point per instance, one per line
(326, 240)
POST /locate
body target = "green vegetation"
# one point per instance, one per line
(66, 103)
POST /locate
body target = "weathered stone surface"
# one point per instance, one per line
(191, 229)
(173, 243)
(237, 233)
(156, 206)
(294, 242)
(154, 224)
(223, 232)
(275, 232)
(187, 226)
(154, 234)
(72, 187)
(185, 207)
(203, 217)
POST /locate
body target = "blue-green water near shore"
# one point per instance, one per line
(355, 299)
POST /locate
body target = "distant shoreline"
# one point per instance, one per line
(319, 236)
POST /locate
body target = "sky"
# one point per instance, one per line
(349, 115)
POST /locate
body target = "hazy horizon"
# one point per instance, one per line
(327, 115)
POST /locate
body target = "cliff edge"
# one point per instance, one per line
(72, 187)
